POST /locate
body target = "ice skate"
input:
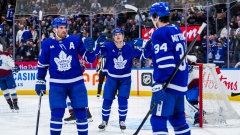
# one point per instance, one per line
(122, 125)
(11, 106)
(10, 103)
(98, 96)
(70, 120)
(16, 108)
(103, 126)
(89, 116)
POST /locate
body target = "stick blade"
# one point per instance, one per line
(130, 7)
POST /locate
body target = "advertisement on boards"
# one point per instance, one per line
(190, 33)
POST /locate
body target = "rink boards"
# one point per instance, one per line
(141, 81)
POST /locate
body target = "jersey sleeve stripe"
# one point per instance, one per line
(164, 58)
(166, 66)
(42, 65)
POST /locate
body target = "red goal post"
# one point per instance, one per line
(215, 108)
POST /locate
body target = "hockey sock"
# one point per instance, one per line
(122, 108)
(6, 94)
(13, 93)
(82, 123)
(70, 109)
(56, 121)
(106, 109)
(159, 125)
(179, 124)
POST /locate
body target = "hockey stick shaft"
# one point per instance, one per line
(173, 74)
(38, 115)
(235, 94)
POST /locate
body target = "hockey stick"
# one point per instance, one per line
(234, 94)
(173, 74)
(140, 16)
(38, 115)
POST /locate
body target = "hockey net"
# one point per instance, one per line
(214, 106)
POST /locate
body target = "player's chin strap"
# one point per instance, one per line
(58, 36)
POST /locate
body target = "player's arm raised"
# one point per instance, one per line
(86, 49)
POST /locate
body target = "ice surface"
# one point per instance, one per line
(24, 122)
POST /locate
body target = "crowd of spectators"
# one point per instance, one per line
(29, 31)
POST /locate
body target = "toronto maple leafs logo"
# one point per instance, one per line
(217, 56)
(119, 63)
(63, 62)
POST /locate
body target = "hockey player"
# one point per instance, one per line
(118, 65)
(167, 49)
(72, 118)
(60, 55)
(7, 82)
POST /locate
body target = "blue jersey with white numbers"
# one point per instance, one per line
(62, 59)
(118, 61)
(10, 13)
(168, 48)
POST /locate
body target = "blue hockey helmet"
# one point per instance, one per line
(118, 30)
(160, 8)
(58, 22)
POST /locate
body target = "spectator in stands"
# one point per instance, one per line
(236, 48)
(224, 31)
(100, 26)
(192, 19)
(74, 26)
(28, 53)
(27, 34)
(34, 18)
(138, 20)
(109, 24)
(9, 17)
(134, 32)
(9, 37)
(219, 52)
(2, 33)
(60, 3)
(44, 29)
(96, 7)
(19, 34)
(176, 18)
(238, 29)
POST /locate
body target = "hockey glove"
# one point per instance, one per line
(158, 93)
(148, 44)
(138, 42)
(40, 86)
(101, 40)
(89, 44)
(16, 69)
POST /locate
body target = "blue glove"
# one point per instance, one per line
(148, 44)
(16, 69)
(40, 86)
(158, 93)
(137, 42)
(101, 40)
(89, 44)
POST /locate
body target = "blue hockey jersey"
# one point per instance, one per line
(118, 61)
(9, 16)
(25, 36)
(62, 59)
(168, 48)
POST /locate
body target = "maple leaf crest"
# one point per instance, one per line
(119, 63)
(63, 62)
